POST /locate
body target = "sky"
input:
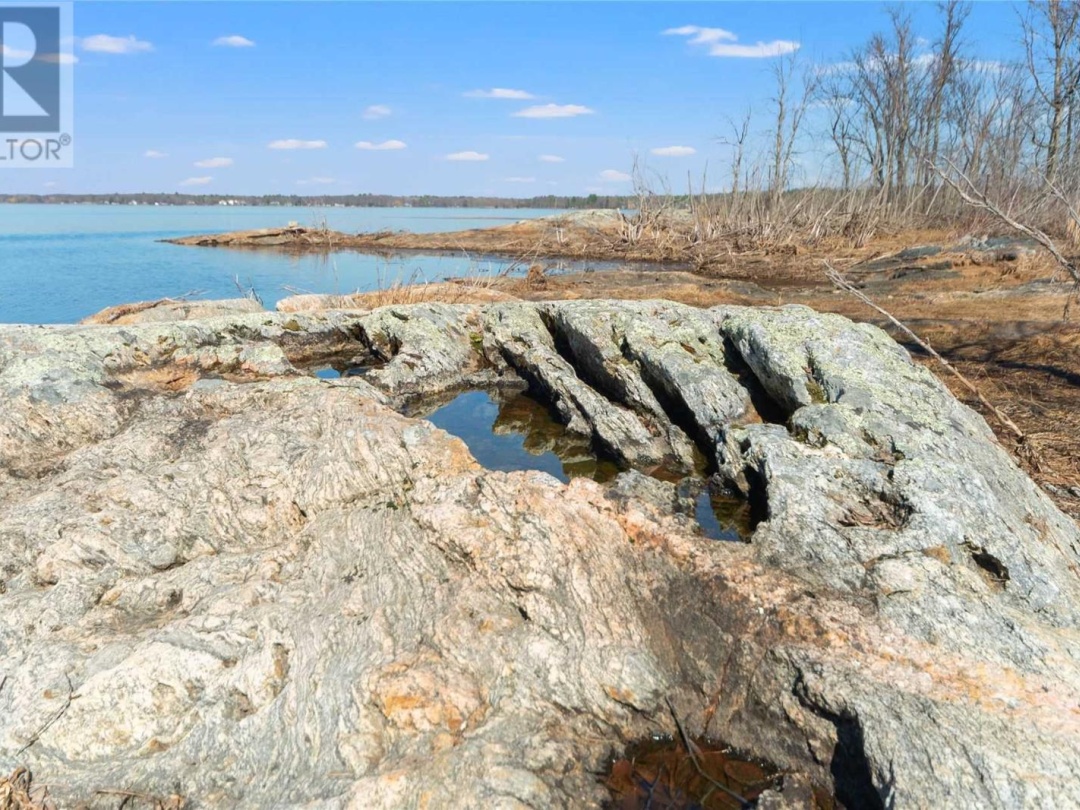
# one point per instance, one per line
(487, 98)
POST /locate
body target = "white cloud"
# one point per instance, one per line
(376, 111)
(467, 156)
(154, 153)
(778, 47)
(51, 184)
(520, 179)
(553, 111)
(674, 151)
(103, 43)
(983, 65)
(500, 92)
(293, 143)
(20, 48)
(234, 41)
(214, 163)
(614, 176)
(381, 147)
(316, 181)
(724, 43)
(15, 53)
(58, 58)
(551, 159)
(924, 61)
(702, 36)
(196, 181)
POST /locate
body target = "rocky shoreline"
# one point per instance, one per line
(212, 556)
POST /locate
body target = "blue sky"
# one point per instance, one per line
(161, 87)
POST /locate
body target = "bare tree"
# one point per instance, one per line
(836, 100)
(945, 64)
(740, 132)
(970, 194)
(790, 104)
(1051, 37)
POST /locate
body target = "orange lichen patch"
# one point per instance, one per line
(619, 695)
(425, 695)
(156, 746)
(163, 378)
(393, 704)
(799, 625)
(881, 653)
(876, 650)
(459, 459)
(939, 553)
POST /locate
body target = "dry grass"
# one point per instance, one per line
(17, 792)
(398, 294)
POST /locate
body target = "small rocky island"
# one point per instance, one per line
(227, 581)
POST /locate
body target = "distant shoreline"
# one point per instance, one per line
(547, 202)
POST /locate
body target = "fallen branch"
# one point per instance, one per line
(845, 285)
(973, 197)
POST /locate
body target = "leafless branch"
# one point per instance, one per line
(845, 285)
(963, 186)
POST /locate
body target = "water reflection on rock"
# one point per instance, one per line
(516, 432)
(513, 432)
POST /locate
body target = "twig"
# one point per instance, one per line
(250, 292)
(972, 196)
(691, 749)
(845, 285)
(170, 803)
(37, 734)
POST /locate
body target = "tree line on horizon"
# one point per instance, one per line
(547, 201)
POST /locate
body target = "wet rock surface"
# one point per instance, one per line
(209, 555)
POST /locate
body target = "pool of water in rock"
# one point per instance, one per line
(332, 373)
(513, 432)
(659, 773)
(723, 517)
(519, 433)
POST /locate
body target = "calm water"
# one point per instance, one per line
(518, 433)
(60, 263)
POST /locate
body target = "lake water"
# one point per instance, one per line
(60, 263)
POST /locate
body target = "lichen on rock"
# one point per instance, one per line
(211, 556)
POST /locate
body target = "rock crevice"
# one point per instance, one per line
(233, 561)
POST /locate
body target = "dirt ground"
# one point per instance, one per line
(993, 306)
